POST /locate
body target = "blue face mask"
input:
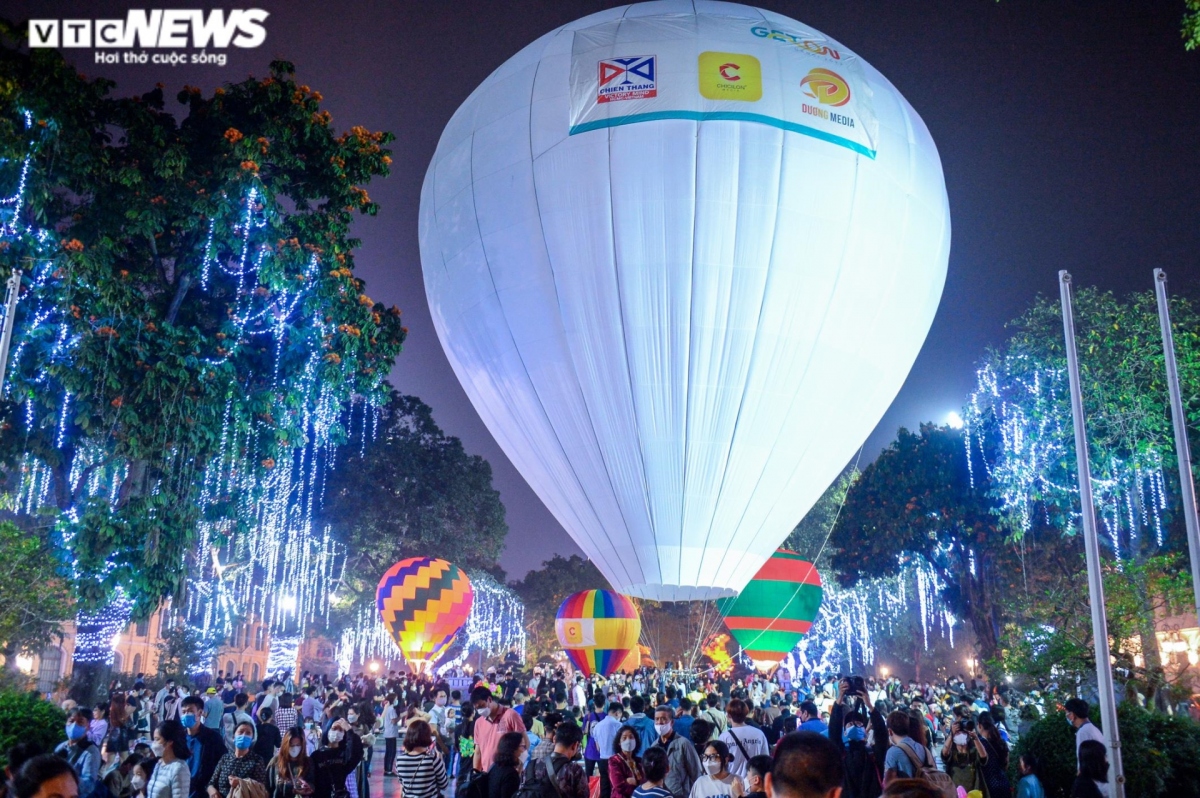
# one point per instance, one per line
(188, 719)
(854, 734)
(243, 741)
(75, 732)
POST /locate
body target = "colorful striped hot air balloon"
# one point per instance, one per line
(776, 609)
(424, 602)
(598, 629)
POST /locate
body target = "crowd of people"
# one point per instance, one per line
(554, 734)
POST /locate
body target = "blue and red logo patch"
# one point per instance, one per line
(633, 78)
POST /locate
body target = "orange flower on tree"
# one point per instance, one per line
(233, 135)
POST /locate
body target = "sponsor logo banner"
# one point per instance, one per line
(712, 67)
(730, 76)
(629, 78)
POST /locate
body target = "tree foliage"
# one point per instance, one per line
(195, 271)
(545, 589)
(35, 593)
(917, 500)
(26, 718)
(411, 491)
(1191, 25)
(810, 538)
(182, 652)
(1050, 630)
(1020, 422)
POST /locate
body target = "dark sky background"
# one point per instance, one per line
(1069, 134)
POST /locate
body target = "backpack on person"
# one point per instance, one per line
(541, 787)
(474, 785)
(928, 772)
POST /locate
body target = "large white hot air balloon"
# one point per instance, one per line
(681, 256)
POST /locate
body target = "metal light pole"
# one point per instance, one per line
(1187, 487)
(1104, 679)
(10, 312)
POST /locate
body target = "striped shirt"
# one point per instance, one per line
(421, 775)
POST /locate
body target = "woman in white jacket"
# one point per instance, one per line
(171, 777)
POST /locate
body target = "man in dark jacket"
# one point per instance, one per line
(205, 745)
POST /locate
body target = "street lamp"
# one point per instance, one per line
(883, 671)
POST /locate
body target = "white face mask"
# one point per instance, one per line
(662, 728)
(137, 783)
(157, 748)
(629, 746)
(335, 735)
(293, 751)
(960, 739)
(352, 717)
(713, 768)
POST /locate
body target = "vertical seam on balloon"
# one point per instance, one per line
(687, 398)
(816, 341)
(628, 371)
(583, 400)
(753, 348)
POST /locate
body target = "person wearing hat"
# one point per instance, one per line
(214, 709)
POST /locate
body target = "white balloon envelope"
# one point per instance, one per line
(681, 256)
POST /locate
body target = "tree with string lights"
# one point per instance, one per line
(190, 334)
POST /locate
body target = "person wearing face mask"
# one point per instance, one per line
(139, 776)
(561, 765)
(717, 780)
(80, 752)
(170, 777)
(683, 763)
(362, 723)
(289, 774)
(960, 758)
(625, 767)
(241, 763)
(205, 745)
(847, 724)
(336, 760)
(757, 770)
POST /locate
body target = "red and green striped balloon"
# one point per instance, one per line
(776, 609)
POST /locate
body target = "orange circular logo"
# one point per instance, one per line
(826, 87)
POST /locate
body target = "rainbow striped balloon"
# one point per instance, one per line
(598, 629)
(772, 613)
(424, 602)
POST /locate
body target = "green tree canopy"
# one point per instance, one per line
(189, 306)
(35, 593)
(411, 491)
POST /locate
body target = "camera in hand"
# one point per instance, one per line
(968, 725)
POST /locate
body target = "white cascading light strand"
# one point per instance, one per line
(681, 256)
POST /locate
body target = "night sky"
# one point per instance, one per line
(1069, 135)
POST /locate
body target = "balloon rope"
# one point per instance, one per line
(820, 551)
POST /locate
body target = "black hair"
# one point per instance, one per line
(507, 748)
(1078, 707)
(721, 748)
(172, 732)
(654, 763)
(701, 731)
(760, 764)
(567, 734)
(192, 701)
(481, 693)
(39, 770)
(1093, 760)
(21, 753)
(806, 764)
